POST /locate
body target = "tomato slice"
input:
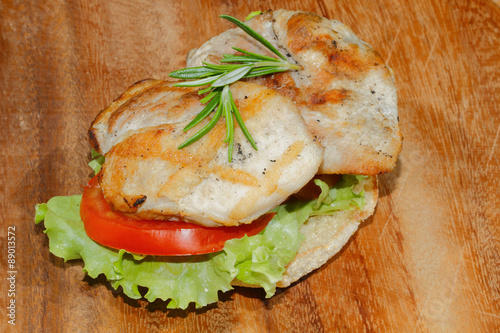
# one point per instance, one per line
(163, 238)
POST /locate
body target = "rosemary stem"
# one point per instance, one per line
(216, 78)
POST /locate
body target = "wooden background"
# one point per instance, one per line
(428, 260)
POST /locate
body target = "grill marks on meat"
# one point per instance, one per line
(308, 33)
(147, 177)
(146, 103)
(344, 98)
(345, 92)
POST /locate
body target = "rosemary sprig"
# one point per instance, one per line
(218, 77)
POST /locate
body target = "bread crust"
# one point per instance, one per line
(325, 236)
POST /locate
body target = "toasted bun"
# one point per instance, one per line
(326, 235)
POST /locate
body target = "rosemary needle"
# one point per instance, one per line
(218, 77)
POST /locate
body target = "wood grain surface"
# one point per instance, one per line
(428, 260)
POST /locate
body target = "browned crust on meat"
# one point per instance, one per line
(345, 62)
(185, 169)
(307, 32)
(135, 89)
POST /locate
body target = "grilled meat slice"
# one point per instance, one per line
(345, 92)
(146, 177)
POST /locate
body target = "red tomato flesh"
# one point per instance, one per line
(163, 238)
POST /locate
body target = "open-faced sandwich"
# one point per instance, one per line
(255, 171)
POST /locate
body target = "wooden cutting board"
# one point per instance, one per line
(428, 260)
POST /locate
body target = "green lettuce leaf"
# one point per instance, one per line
(258, 260)
(261, 259)
(340, 197)
(96, 162)
(181, 280)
